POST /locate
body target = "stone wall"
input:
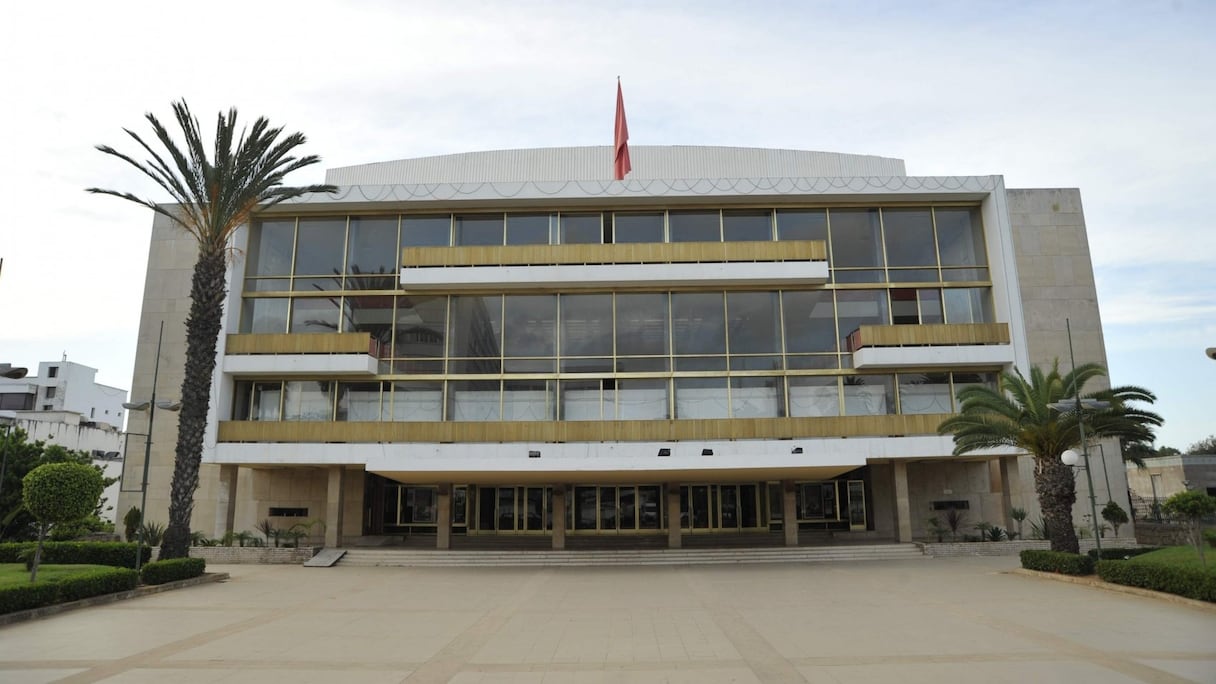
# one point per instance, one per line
(251, 555)
(1010, 548)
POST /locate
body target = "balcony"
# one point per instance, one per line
(946, 344)
(800, 262)
(302, 354)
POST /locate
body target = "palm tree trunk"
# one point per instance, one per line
(1054, 483)
(207, 293)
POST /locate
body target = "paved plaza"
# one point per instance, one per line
(945, 620)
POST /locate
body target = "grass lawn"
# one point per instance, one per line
(15, 573)
(1178, 556)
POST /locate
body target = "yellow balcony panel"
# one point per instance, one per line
(929, 335)
(970, 345)
(628, 253)
(301, 343)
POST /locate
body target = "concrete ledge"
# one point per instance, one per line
(103, 599)
(1010, 548)
(1099, 583)
(252, 555)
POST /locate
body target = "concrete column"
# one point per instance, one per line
(789, 512)
(334, 499)
(903, 510)
(559, 517)
(1009, 479)
(225, 506)
(443, 529)
(673, 515)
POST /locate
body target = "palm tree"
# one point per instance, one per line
(213, 197)
(1022, 416)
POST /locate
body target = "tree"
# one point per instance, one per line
(213, 197)
(1207, 445)
(60, 493)
(1021, 416)
(22, 456)
(1192, 506)
(1114, 514)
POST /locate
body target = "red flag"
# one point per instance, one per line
(621, 137)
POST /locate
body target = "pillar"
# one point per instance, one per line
(335, 498)
(443, 528)
(1009, 479)
(225, 507)
(903, 509)
(789, 512)
(673, 516)
(559, 517)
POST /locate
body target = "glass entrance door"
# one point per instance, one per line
(720, 507)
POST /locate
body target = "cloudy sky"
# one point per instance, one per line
(1117, 99)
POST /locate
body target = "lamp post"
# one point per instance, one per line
(150, 406)
(7, 370)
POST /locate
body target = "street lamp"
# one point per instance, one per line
(150, 406)
(1211, 351)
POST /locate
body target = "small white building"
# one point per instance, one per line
(64, 386)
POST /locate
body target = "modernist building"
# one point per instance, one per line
(730, 341)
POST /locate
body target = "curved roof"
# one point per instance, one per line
(595, 164)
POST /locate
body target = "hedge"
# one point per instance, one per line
(72, 588)
(1121, 554)
(116, 554)
(1058, 562)
(173, 569)
(1187, 582)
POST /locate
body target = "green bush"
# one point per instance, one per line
(86, 584)
(1188, 582)
(1058, 562)
(117, 554)
(1210, 536)
(1120, 554)
(27, 596)
(172, 570)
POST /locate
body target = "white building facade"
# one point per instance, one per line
(729, 342)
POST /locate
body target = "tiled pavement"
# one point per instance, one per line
(945, 620)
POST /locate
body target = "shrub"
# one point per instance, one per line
(1058, 562)
(172, 570)
(27, 596)
(1120, 554)
(117, 554)
(86, 584)
(1188, 582)
(1210, 536)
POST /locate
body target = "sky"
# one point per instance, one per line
(1115, 98)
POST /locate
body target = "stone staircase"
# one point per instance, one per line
(406, 557)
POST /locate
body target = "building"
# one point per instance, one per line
(1164, 476)
(64, 386)
(729, 342)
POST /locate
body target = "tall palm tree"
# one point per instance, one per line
(212, 198)
(1022, 416)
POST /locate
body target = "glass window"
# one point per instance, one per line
(813, 395)
(698, 323)
(753, 322)
(242, 398)
(426, 231)
(320, 246)
(930, 305)
(529, 400)
(586, 325)
(908, 234)
(315, 314)
(264, 315)
(417, 401)
(744, 225)
(372, 314)
(752, 397)
(581, 399)
(529, 229)
(694, 226)
(642, 325)
(420, 324)
(479, 229)
(473, 400)
(701, 398)
(855, 238)
(371, 250)
(961, 380)
(968, 305)
(637, 227)
(643, 399)
(476, 326)
(860, 307)
(924, 393)
(960, 237)
(308, 400)
(530, 325)
(868, 395)
(267, 397)
(904, 307)
(271, 248)
(582, 229)
(359, 401)
(802, 224)
(810, 321)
